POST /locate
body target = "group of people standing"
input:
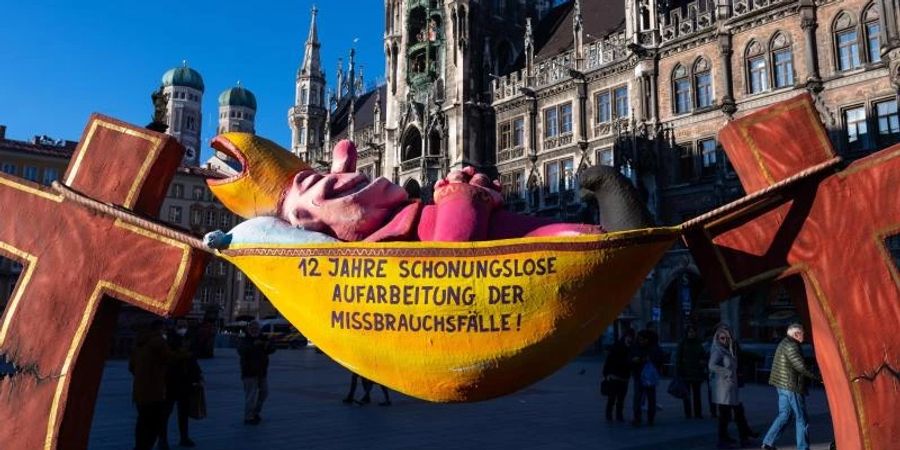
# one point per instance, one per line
(167, 375)
(634, 357)
(637, 358)
(165, 372)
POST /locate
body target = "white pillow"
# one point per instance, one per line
(263, 231)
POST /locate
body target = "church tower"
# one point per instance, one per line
(184, 86)
(237, 110)
(307, 116)
(440, 57)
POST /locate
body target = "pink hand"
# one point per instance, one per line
(343, 157)
(484, 188)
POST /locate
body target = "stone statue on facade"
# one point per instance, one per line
(160, 111)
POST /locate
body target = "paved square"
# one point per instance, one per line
(304, 410)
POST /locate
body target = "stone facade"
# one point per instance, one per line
(643, 86)
(42, 160)
(190, 205)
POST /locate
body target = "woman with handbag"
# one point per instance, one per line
(723, 367)
(616, 371)
(690, 362)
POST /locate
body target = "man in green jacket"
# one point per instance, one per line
(789, 374)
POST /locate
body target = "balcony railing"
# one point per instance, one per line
(558, 141)
(510, 153)
(411, 164)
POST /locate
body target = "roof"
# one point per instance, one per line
(364, 112)
(183, 76)
(204, 172)
(553, 35)
(59, 151)
(238, 96)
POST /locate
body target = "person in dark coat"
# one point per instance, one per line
(182, 374)
(690, 366)
(646, 359)
(616, 372)
(789, 376)
(254, 350)
(148, 365)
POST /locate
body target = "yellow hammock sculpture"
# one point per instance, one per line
(441, 321)
(455, 322)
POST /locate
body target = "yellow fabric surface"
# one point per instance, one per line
(511, 311)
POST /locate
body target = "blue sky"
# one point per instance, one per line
(61, 60)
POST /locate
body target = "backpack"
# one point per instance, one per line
(649, 375)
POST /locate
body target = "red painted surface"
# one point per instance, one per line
(54, 332)
(830, 229)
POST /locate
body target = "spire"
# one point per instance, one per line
(360, 82)
(578, 35)
(311, 65)
(529, 34)
(376, 111)
(351, 72)
(577, 20)
(529, 52)
(340, 79)
(351, 119)
(313, 37)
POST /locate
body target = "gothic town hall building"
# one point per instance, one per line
(532, 93)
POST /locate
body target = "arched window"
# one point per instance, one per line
(873, 34)
(757, 70)
(413, 189)
(434, 143)
(782, 60)
(681, 86)
(703, 91)
(846, 42)
(412, 145)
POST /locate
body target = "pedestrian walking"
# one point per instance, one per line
(616, 372)
(723, 368)
(254, 350)
(739, 416)
(367, 385)
(148, 365)
(182, 375)
(646, 360)
(790, 375)
(690, 367)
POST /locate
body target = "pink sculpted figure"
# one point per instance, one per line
(347, 205)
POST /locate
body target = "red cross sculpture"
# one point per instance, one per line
(806, 218)
(58, 324)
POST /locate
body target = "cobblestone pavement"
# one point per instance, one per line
(304, 411)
